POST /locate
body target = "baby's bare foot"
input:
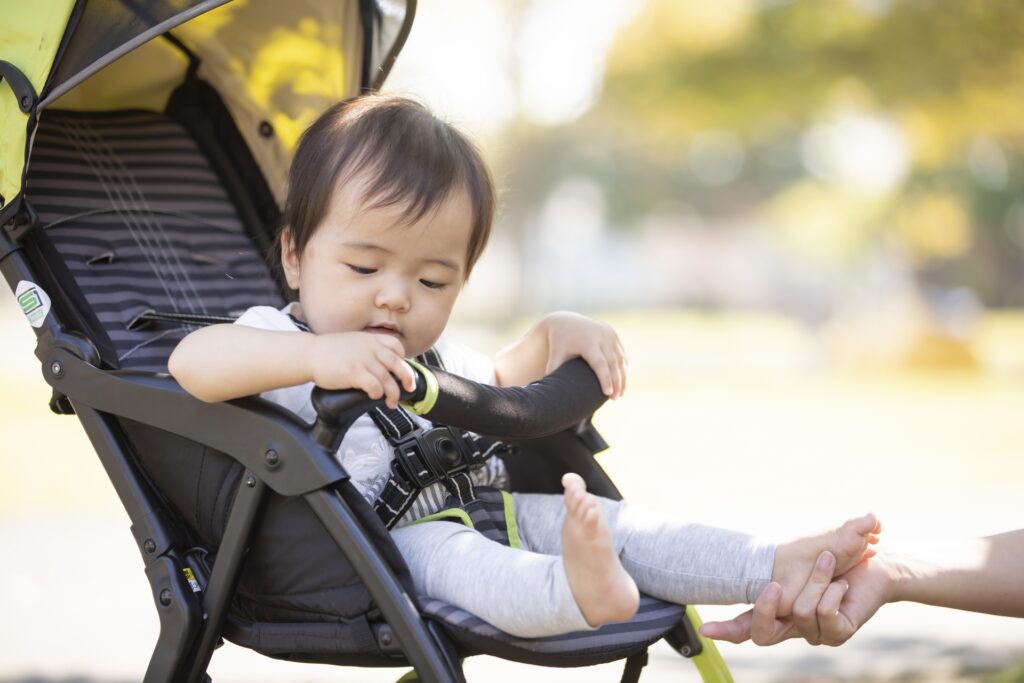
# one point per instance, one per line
(602, 588)
(794, 560)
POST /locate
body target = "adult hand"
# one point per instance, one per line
(825, 613)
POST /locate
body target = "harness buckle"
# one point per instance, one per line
(427, 457)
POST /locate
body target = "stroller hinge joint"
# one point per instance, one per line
(18, 219)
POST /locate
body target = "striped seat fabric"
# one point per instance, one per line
(585, 648)
(143, 224)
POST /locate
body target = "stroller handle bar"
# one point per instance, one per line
(561, 400)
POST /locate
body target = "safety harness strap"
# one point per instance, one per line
(401, 490)
(420, 461)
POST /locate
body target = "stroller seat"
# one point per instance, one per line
(147, 231)
(652, 622)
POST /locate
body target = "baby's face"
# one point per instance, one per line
(366, 270)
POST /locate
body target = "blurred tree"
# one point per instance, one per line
(739, 107)
(944, 69)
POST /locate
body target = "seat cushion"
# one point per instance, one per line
(608, 643)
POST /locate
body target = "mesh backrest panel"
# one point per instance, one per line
(143, 224)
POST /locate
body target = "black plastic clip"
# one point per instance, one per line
(20, 85)
(19, 218)
(684, 638)
(433, 455)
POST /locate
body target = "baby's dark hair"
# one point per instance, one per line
(404, 154)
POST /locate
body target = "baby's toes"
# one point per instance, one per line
(862, 526)
(575, 492)
(853, 539)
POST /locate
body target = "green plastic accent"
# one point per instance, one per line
(448, 513)
(427, 404)
(710, 665)
(409, 677)
(510, 521)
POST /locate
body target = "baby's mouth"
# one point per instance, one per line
(384, 329)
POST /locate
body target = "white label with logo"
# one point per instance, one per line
(34, 302)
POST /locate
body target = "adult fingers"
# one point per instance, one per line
(836, 627)
(759, 624)
(736, 630)
(765, 627)
(805, 607)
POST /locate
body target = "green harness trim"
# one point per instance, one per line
(453, 514)
(510, 521)
(510, 532)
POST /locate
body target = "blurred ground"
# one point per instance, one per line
(731, 420)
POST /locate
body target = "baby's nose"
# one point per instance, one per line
(393, 296)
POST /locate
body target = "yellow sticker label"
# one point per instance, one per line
(191, 578)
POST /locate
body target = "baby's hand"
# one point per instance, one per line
(571, 335)
(361, 360)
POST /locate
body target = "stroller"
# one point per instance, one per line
(144, 150)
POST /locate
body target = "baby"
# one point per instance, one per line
(388, 210)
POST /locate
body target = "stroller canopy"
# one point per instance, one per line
(277, 65)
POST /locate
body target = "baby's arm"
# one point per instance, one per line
(556, 338)
(221, 362)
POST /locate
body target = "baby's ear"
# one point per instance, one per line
(289, 258)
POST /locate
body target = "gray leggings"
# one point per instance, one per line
(525, 591)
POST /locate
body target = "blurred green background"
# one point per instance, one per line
(806, 220)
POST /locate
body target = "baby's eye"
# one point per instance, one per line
(361, 270)
(433, 285)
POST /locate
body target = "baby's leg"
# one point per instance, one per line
(671, 560)
(522, 593)
(795, 560)
(602, 588)
(690, 563)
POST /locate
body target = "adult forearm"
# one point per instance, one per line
(980, 575)
(223, 362)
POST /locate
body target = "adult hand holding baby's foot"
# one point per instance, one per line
(848, 545)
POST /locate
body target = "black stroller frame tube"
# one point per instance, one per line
(395, 604)
(177, 607)
(226, 571)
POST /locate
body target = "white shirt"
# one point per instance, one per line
(364, 452)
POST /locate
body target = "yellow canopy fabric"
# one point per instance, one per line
(273, 62)
(31, 34)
